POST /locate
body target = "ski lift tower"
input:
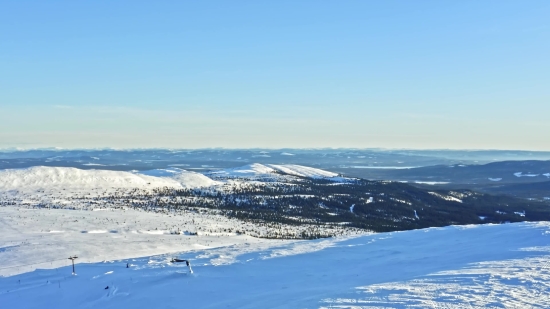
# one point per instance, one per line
(72, 258)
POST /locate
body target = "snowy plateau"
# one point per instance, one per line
(48, 214)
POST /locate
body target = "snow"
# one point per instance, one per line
(302, 171)
(477, 266)
(188, 179)
(446, 197)
(432, 183)
(46, 178)
(250, 170)
(161, 172)
(257, 169)
(76, 180)
(106, 235)
(452, 267)
(521, 214)
(382, 167)
(520, 174)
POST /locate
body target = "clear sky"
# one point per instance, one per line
(193, 74)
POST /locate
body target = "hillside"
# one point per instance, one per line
(42, 178)
(281, 201)
(484, 266)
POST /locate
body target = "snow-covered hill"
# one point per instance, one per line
(40, 178)
(187, 179)
(272, 170)
(484, 266)
(76, 180)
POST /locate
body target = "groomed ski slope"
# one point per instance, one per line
(485, 266)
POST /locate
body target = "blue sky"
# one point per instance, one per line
(182, 74)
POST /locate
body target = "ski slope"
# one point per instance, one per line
(484, 266)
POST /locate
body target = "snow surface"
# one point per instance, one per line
(106, 235)
(446, 197)
(520, 174)
(483, 266)
(73, 179)
(189, 180)
(382, 167)
(432, 183)
(257, 169)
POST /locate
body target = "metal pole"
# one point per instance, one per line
(72, 258)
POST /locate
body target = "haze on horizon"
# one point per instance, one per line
(284, 74)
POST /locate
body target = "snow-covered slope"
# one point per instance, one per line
(302, 171)
(187, 179)
(190, 180)
(43, 178)
(73, 179)
(107, 234)
(263, 170)
(247, 171)
(484, 266)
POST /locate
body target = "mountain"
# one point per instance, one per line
(42, 178)
(271, 170)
